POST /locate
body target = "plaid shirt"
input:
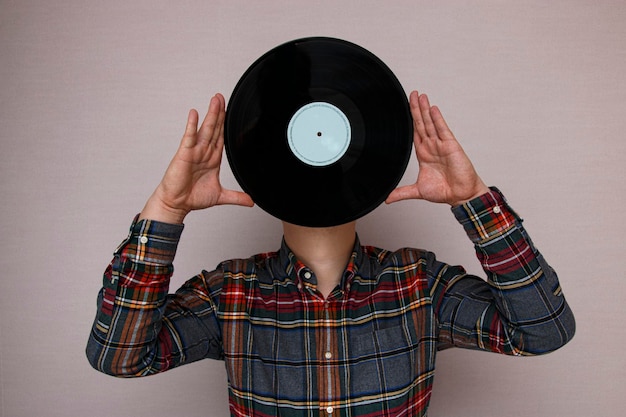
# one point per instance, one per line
(368, 349)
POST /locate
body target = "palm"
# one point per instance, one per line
(191, 181)
(446, 174)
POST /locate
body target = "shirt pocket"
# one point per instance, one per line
(382, 361)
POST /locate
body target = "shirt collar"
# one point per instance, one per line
(297, 271)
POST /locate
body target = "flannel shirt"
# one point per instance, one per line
(368, 349)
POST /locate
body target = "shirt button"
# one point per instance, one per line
(328, 355)
(307, 275)
(143, 239)
(497, 209)
(329, 410)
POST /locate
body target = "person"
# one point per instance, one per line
(325, 325)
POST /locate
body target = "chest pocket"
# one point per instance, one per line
(383, 360)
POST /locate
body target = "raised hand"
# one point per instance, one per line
(446, 175)
(191, 181)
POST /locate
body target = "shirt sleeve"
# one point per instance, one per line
(520, 309)
(139, 328)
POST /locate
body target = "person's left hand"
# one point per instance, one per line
(446, 175)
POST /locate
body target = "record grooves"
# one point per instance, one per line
(318, 131)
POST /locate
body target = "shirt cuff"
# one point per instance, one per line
(151, 242)
(486, 216)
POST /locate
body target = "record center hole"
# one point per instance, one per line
(319, 134)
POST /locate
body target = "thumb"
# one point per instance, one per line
(407, 192)
(237, 198)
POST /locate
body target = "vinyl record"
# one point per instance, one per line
(318, 131)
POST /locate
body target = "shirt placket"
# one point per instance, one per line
(326, 355)
(329, 353)
(326, 344)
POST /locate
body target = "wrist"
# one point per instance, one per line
(155, 209)
(481, 189)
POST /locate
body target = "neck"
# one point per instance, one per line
(325, 250)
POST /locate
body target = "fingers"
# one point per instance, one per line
(418, 122)
(220, 123)
(212, 125)
(189, 137)
(427, 120)
(211, 130)
(422, 121)
(443, 131)
(429, 126)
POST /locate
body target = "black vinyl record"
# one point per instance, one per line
(318, 131)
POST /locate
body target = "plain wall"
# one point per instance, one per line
(94, 98)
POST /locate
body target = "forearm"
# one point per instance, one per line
(527, 299)
(128, 337)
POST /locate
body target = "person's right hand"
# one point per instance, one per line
(191, 181)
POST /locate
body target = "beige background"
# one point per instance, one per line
(94, 97)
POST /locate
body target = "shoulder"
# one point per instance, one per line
(402, 256)
(248, 265)
(408, 261)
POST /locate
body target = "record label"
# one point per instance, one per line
(319, 134)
